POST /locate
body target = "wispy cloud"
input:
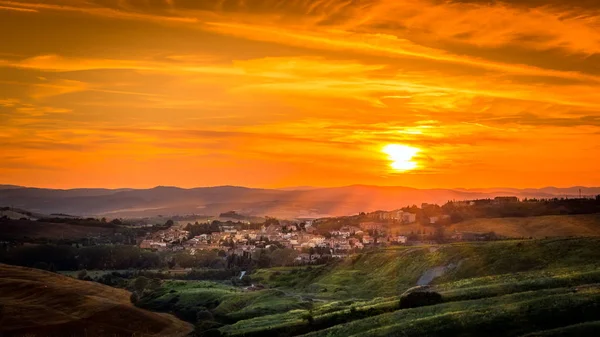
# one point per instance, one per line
(85, 7)
(18, 9)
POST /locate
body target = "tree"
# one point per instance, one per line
(420, 299)
(154, 284)
(134, 298)
(140, 284)
(82, 274)
(185, 260)
(440, 234)
(204, 314)
(283, 257)
(309, 317)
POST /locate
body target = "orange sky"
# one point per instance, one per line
(273, 93)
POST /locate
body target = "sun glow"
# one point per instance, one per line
(401, 156)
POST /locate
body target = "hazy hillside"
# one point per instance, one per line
(520, 227)
(19, 229)
(317, 202)
(536, 227)
(39, 303)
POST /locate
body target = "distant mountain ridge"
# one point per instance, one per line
(285, 203)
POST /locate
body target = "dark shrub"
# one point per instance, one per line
(202, 314)
(420, 299)
(309, 318)
(134, 298)
(211, 333)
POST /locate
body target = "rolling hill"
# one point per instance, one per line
(44, 304)
(20, 229)
(508, 288)
(535, 226)
(317, 202)
(520, 227)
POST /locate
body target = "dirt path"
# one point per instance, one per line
(431, 274)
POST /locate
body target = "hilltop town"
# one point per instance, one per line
(336, 237)
(324, 238)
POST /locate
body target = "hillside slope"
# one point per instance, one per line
(505, 288)
(39, 303)
(19, 229)
(389, 272)
(537, 227)
(317, 202)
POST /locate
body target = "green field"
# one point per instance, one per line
(535, 226)
(543, 287)
(520, 227)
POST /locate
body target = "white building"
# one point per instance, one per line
(409, 217)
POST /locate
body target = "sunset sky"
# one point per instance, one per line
(274, 93)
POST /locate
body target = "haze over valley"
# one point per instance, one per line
(287, 203)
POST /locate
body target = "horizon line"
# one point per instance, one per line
(289, 188)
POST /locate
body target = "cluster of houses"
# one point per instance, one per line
(337, 243)
(165, 239)
(397, 215)
(305, 239)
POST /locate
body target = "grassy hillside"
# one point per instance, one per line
(509, 315)
(536, 227)
(226, 303)
(521, 227)
(548, 287)
(391, 271)
(19, 229)
(39, 303)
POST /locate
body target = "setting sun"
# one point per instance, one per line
(401, 156)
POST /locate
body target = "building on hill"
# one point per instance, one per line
(371, 226)
(381, 215)
(398, 239)
(203, 237)
(311, 229)
(505, 200)
(272, 229)
(146, 244)
(367, 240)
(149, 244)
(480, 202)
(435, 219)
(228, 229)
(408, 218)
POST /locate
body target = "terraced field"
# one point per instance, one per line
(509, 288)
(522, 227)
(546, 287)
